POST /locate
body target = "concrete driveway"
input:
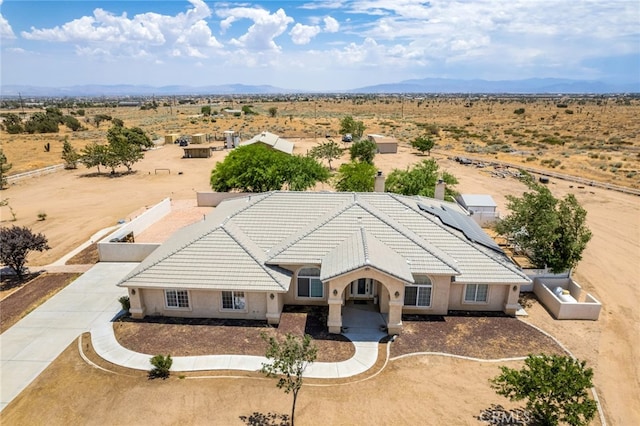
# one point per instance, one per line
(28, 347)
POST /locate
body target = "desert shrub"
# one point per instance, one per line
(568, 111)
(531, 158)
(631, 174)
(562, 105)
(42, 216)
(519, 111)
(125, 303)
(550, 163)
(161, 366)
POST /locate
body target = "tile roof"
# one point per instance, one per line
(361, 250)
(244, 240)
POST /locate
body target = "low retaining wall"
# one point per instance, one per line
(112, 249)
(589, 309)
(212, 199)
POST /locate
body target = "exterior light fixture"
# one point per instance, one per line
(272, 296)
(397, 294)
(335, 292)
(133, 291)
(515, 287)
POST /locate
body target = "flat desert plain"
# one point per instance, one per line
(79, 203)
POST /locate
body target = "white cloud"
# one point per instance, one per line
(302, 34)
(266, 27)
(331, 25)
(186, 33)
(6, 32)
(323, 4)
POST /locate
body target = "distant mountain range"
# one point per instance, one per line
(426, 85)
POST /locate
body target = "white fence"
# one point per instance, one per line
(112, 249)
(34, 173)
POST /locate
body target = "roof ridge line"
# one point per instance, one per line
(310, 228)
(248, 251)
(408, 233)
(162, 258)
(365, 246)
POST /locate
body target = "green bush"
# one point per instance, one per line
(125, 303)
(161, 366)
(519, 111)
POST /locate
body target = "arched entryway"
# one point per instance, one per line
(369, 285)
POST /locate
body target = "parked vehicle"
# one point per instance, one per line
(347, 138)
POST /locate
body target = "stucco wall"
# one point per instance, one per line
(212, 199)
(204, 304)
(588, 309)
(132, 252)
(496, 298)
(439, 298)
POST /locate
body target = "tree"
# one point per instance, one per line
(206, 110)
(349, 125)
(356, 177)
(97, 119)
(5, 166)
(273, 111)
(554, 386)
(248, 110)
(121, 151)
(327, 151)
(94, 155)
(72, 123)
(42, 123)
(289, 360)
(257, 168)
(421, 179)
(16, 243)
(363, 151)
(12, 123)
(69, 155)
(423, 144)
(553, 233)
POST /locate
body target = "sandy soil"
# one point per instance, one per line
(78, 205)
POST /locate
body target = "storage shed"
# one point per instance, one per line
(169, 139)
(197, 152)
(481, 206)
(198, 138)
(385, 144)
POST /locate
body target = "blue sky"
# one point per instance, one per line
(315, 45)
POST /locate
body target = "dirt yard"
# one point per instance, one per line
(78, 205)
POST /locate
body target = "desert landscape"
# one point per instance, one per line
(599, 140)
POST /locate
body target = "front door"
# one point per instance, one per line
(362, 288)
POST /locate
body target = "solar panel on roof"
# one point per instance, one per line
(463, 223)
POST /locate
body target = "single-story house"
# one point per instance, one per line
(254, 254)
(385, 144)
(271, 140)
(481, 206)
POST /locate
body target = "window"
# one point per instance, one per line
(476, 293)
(233, 300)
(419, 294)
(309, 284)
(177, 298)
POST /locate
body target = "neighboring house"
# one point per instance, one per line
(385, 144)
(252, 255)
(481, 206)
(272, 141)
(197, 152)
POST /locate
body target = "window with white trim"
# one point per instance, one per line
(418, 294)
(476, 293)
(234, 300)
(309, 284)
(176, 298)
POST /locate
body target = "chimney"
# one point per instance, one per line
(378, 186)
(439, 192)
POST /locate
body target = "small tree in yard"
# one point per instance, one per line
(69, 155)
(5, 166)
(363, 151)
(327, 151)
(161, 366)
(273, 111)
(289, 359)
(552, 232)
(16, 243)
(423, 144)
(356, 177)
(555, 388)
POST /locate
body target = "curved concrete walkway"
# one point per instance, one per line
(365, 335)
